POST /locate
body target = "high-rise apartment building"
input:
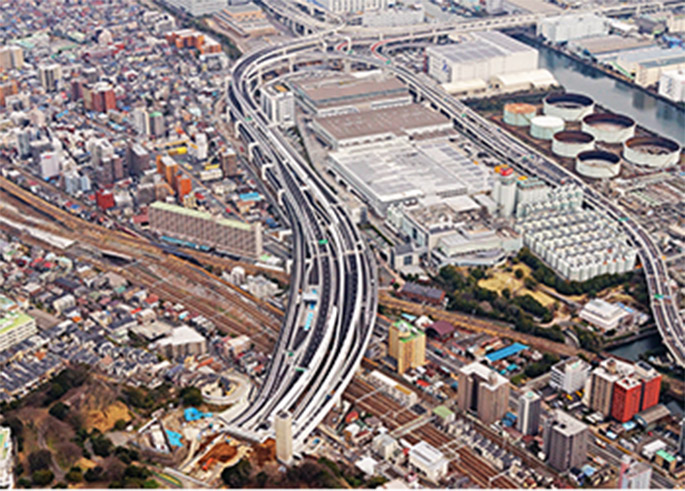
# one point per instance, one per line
(530, 407)
(565, 441)
(407, 345)
(634, 474)
(626, 399)
(200, 229)
(284, 437)
(483, 391)
(50, 75)
(569, 375)
(11, 57)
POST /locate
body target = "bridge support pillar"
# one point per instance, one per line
(347, 66)
(236, 127)
(250, 151)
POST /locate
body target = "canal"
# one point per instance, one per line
(633, 350)
(620, 97)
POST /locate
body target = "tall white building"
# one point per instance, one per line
(14, 328)
(634, 474)
(6, 459)
(50, 76)
(284, 437)
(481, 56)
(49, 165)
(530, 407)
(672, 85)
(569, 27)
(349, 6)
(11, 57)
(198, 8)
(569, 375)
(278, 103)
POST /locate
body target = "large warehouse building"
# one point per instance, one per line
(397, 171)
(347, 130)
(200, 229)
(569, 27)
(480, 56)
(347, 6)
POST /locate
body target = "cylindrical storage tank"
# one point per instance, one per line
(651, 151)
(571, 143)
(609, 128)
(569, 106)
(519, 114)
(544, 127)
(598, 164)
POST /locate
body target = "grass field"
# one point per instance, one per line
(500, 279)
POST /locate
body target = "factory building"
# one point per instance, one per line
(182, 342)
(565, 441)
(571, 27)
(569, 375)
(483, 391)
(198, 8)
(480, 56)
(350, 93)
(397, 171)
(648, 64)
(200, 229)
(412, 120)
(349, 6)
(278, 103)
(407, 346)
(672, 85)
(604, 315)
(576, 243)
(430, 461)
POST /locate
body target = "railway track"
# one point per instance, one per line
(394, 416)
(245, 315)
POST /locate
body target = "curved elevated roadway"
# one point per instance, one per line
(333, 289)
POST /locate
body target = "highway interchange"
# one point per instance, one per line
(333, 295)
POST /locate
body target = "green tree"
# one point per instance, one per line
(42, 477)
(120, 425)
(59, 410)
(237, 475)
(39, 460)
(191, 396)
(518, 273)
(94, 474)
(74, 475)
(102, 445)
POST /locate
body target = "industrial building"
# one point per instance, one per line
(648, 64)
(565, 28)
(672, 85)
(428, 460)
(604, 315)
(570, 375)
(398, 171)
(483, 391)
(480, 56)
(407, 346)
(529, 410)
(350, 93)
(198, 8)
(349, 6)
(396, 16)
(278, 103)
(15, 327)
(576, 243)
(379, 125)
(200, 229)
(245, 20)
(565, 441)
